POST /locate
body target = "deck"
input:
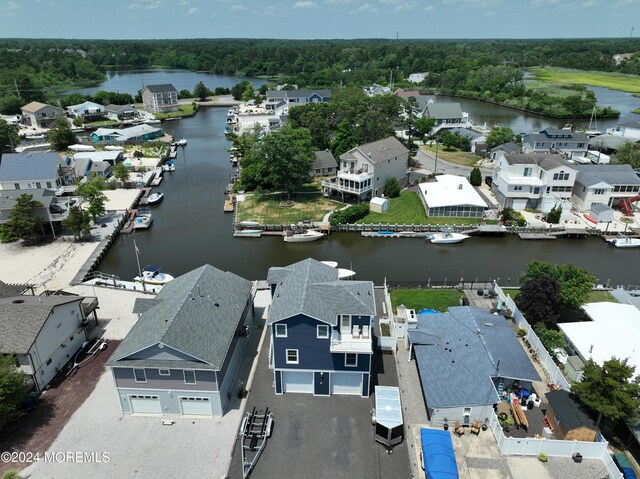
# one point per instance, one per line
(536, 236)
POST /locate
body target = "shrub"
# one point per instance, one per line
(475, 178)
(350, 214)
(542, 457)
(522, 332)
(392, 188)
(554, 215)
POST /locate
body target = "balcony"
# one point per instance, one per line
(352, 343)
(354, 175)
(350, 183)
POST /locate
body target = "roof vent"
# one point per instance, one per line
(216, 305)
(18, 301)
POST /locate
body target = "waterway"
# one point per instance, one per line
(190, 228)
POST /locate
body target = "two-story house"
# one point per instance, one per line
(606, 184)
(321, 330)
(298, 97)
(445, 115)
(160, 98)
(33, 171)
(554, 140)
(183, 354)
(532, 181)
(364, 170)
(40, 115)
(629, 130)
(88, 111)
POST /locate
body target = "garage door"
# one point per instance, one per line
(298, 382)
(519, 204)
(145, 404)
(346, 383)
(194, 406)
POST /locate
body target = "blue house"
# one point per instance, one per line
(321, 330)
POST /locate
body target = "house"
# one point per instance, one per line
(607, 143)
(160, 98)
(44, 332)
(477, 141)
(538, 181)
(554, 140)
(509, 147)
(53, 211)
(376, 89)
(568, 418)
(365, 169)
(98, 163)
(452, 196)
(417, 77)
(321, 330)
(32, 171)
(183, 354)
(133, 133)
(445, 115)
(629, 130)
(121, 112)
(111, 157)
(40, 115)
(298, 97)
(606, 184)
(466, 357)
(89, 111)
(325, 164)
(406, 93)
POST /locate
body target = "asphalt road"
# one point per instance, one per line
(427, 163)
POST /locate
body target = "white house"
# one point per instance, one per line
(605, 184)
(376, 89)
(536, 181)
(32, 171)
(554, 140)
(87, 110)
(629, 130)
(417, 77)
(40, 115)
(452, 196)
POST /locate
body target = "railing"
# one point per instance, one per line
(337, 186)
(347, 343)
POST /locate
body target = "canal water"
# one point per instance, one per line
(190, 228)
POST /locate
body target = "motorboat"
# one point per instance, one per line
(155, 198)
(247, 233)
(345, 273)
(182, 142)
(114, 148)
(248, 224)
(302, 236)
(625, 242)
(152, 122)
(151, 274)
(34, 137)
(447, 236)
(332, 264)
(82, 148)
(142, 221)
(169, 166)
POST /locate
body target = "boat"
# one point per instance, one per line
(248, 224)
(345, 273)
(34, 137)
(447, 236)
(332, 264)
(182, 142)
(83, 148)
(114, 148)
(151, 122)
(248, 233)
(155, 198)
(142, 221)
(151, 275)
(169, 166)
(625, 242)
(593, 125)
(302, 236)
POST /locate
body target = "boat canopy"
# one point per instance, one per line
(388, 409)
(152, 268)
(438, 455)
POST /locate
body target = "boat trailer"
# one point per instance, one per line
(255, 430)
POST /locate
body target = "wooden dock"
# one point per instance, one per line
(536, 236)
(228, 204)
(401, 234)
(156, 181)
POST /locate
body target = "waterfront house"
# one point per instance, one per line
(321, 331)
(376, 89)
(452, 196)
(537, 181)
(629, 130)
(606, 184)
(111, 157)
(33, 171)
(325, 164)
(121, 112)
(417, 77)
(133, 133)
(568, 418)
(40, 115)
(509, 147)
(554, 140)
(400, 92)
(89, 111)
(364, 170)
(53, 211)
(183, 354)
(465, 358)
(160, 98)
(44, 332)
(298, 97)
(445, 115)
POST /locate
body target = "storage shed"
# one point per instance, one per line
(379, 205)
(601, 212)
(568, 419)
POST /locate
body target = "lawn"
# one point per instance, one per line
(600, 297)
(98, 124)
(405, 209)
(438, 299)
(186, 109)
(267, 209)
(459, 157)
(613, 81)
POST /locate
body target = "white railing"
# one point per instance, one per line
(336, 185)
(546, 361)
(347, 343)
(512, 446)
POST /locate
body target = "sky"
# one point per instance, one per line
(314, 19)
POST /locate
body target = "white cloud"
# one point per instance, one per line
(145, 4)
(238, 8)
(305, 5)
(405, 6)
(430, 8)
(337, 2)
(193, 11)
(472, 3)
(591, 3)
(367, 8)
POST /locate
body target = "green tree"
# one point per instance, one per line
(10, 104)
(610, 390)
(92, 193)
(60, 135)
(343, 140)
(77, 222)
(221, 91)
(551, 339)
(239, 88)
(575, 283)
(13, 388)
(499, 135)
(629, 153)
(73, 99)
(424, 125)
(248, 94)
(138, 154)
(200, 91)
(9, 137)
(475, 177)
(392, 188)
(78, 121)
(184, 94)
(10, 474)
(540, 301)
(120, 172)
(23, 222)
(554, 215)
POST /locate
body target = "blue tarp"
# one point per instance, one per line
(437, 454)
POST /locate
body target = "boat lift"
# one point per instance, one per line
(256, 428)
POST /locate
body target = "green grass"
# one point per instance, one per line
(458, 157)
(186, 109)
(438, 299)
(600, 297)
(613, 81)
(405, 209)
(267, 210)
(555, 89)
(98, 124)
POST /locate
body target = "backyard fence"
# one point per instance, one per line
(440, 284)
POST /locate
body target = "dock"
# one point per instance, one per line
(536, 236)
(401, 234)
(229, 203)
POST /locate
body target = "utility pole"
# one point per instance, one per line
(435, 167)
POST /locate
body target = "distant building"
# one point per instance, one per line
(40, 115)
(88, 111)
(446, 115)
(452, 196)
(160, 98)
(630, 130)
(121, 112)
(605, 184)
(134, 133)
(325, 164)
(376, 89)
(299, 97)
(509, 147)
(406, 93)
(554, 140)
(417, 77)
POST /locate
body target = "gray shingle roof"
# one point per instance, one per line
(9, 290)
(142, 305)
(378, 151)
(458, 353)
(546, 162)
(509, 147)
(589, 175)
(608, 142)
(552, 134)
(324, 159)
(313, 289)
(443, 111)
(21, 322)
(198, 314)
(164, 87)
(8, 197)
(297, 93)
(569, 410)
(29, 166)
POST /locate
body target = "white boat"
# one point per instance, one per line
(345, 273)
(332, 264)
(625, 242)
(447, 237)
(155, 198)
(169, 166)
(593, 125)
(114, 148)
(151, 122)
(302, 237)
(249, 224)
(142, 221)
(82, 148)
(182, 142)
(151, 275)
(34, 137)
(247, 233)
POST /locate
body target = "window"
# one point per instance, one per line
(527, 171)
(189, 376)
(281, 330)
(351, 360)
(322, 331)
(598, 191)
(49, 184)
(517, 188)
(49, 362)
(139, 375)
(16, 186)
(164, 372)
(345, 323)
(292, 356)
(38, 185)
